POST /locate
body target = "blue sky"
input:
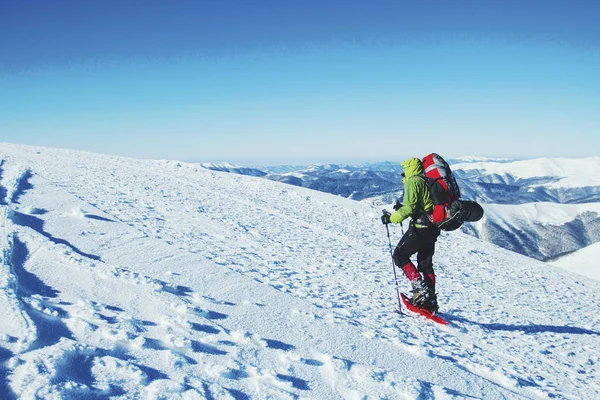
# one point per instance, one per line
(260, 82)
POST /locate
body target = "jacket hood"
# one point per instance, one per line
(412, 167)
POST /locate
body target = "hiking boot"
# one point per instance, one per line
(424, 296)
(421, 293)
(432, 305)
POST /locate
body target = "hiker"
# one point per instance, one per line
(420, 237)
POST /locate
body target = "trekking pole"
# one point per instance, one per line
(393, 266)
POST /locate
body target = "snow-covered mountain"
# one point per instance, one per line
(540, 230)
(551, 184)
(561, 172)
(477, 159)
(157, 279)
(356, 182)
(499, 181)
(236, 169)
(353, 182)
(568, 180)
(542, 208)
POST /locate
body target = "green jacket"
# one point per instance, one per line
(417, 196)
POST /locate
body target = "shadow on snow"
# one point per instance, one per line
(78, 367)
(50, 328)
(276, 344)
(37, 225)
(23, 186)
(98, 218)
(3, 191)
(28, 283)
(528, 329)
(5, 391)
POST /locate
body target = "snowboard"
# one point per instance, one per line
(410, 307)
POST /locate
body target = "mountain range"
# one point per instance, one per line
(514, 193)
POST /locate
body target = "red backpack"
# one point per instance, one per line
(449, 211)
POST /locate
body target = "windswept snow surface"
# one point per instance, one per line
(125, 278)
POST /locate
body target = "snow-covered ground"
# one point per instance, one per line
(157, 279)
(585, 261)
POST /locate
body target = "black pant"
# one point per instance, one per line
(420, 241)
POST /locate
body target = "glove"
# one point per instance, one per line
(397, 205)
(385, 218)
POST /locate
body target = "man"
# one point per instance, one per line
(420, 237)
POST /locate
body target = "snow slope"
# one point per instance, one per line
(585, 261)
(157, 279)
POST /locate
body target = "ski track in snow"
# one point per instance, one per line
(127, 279)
